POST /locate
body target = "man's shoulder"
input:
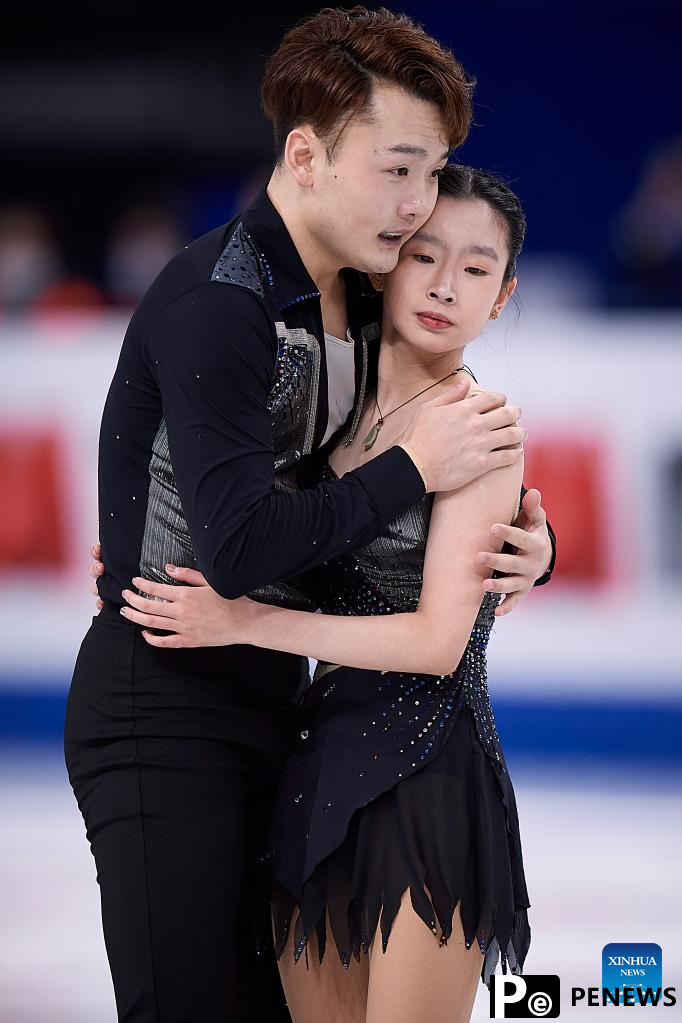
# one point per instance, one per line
(223, 263)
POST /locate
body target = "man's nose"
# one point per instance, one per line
(415, 206)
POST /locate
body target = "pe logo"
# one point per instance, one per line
(632, 965)
(528, 997)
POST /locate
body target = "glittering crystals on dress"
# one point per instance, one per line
(385, 577)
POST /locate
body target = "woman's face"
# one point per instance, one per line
(448, 277)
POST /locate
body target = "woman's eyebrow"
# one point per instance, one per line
(482, 250)
(424, 236)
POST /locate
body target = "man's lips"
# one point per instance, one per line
(434, 320)
(393, 237)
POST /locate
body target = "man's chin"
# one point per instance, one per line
(380, 263)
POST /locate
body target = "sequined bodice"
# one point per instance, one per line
(385, 577)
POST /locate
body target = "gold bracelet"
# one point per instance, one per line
(419, 465)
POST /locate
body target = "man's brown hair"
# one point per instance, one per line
(323, 71)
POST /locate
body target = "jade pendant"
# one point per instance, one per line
(372, 435)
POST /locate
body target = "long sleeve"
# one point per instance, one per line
(212, 352)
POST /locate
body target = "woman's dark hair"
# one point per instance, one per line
(460, 182)
(325, 67)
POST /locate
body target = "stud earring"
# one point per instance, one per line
(494, 313)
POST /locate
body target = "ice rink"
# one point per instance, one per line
(601, 851)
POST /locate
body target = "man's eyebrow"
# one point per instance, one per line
(409, 150)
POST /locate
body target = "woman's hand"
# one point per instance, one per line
(95, 571)
(194, 613)
(533, 551)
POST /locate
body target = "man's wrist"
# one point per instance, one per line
(417, 461)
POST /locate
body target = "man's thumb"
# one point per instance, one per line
(457, 390)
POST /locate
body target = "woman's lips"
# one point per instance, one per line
(433, 322)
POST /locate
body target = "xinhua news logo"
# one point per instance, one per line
(632, 974)
(515, 997)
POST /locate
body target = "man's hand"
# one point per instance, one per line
(457, 440)
(96, 570)
(533, 550)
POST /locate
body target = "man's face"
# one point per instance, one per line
(382, 184)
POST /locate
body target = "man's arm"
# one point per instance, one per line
(212, 351)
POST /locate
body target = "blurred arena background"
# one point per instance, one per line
(127, 132)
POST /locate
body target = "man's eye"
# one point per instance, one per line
(401, 171)
(423, 258)
(437, 173)
(476, 271)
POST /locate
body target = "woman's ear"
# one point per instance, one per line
(377, 281)
(505, 293)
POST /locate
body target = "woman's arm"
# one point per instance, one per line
(430, 640)
(433, 638)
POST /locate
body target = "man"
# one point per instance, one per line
(221, 402)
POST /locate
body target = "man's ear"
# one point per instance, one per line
(377, 281)
(299, 155)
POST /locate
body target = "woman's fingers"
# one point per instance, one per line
(149, 607)
(148, 620)
(171, 642)
(163, 590)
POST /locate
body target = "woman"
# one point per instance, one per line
(396, 825)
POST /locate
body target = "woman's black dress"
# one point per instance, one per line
(398, 781)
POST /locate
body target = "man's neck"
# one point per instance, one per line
(322, 268)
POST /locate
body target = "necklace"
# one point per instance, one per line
(371, 437)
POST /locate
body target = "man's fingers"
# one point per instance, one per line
(532, 507)
(96, 551)
(99, 605)
(507, 605)
(510, 584)
(96, 569)
(517, 537)
(509, 436)
(458, 390)
(504, 456)
(510, 564)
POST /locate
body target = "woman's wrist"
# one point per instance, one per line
(249, 621)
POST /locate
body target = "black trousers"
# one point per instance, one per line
(174, 756)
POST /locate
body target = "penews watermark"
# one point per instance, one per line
(529, 997)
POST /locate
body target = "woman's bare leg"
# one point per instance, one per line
(415, 979)
(326, 993)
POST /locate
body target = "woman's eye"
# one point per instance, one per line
(437, 173)
(476, 271)
(401, 171)
(422, 258)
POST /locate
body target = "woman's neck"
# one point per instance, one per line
(404, 370)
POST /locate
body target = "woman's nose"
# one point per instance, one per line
(442, 293)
